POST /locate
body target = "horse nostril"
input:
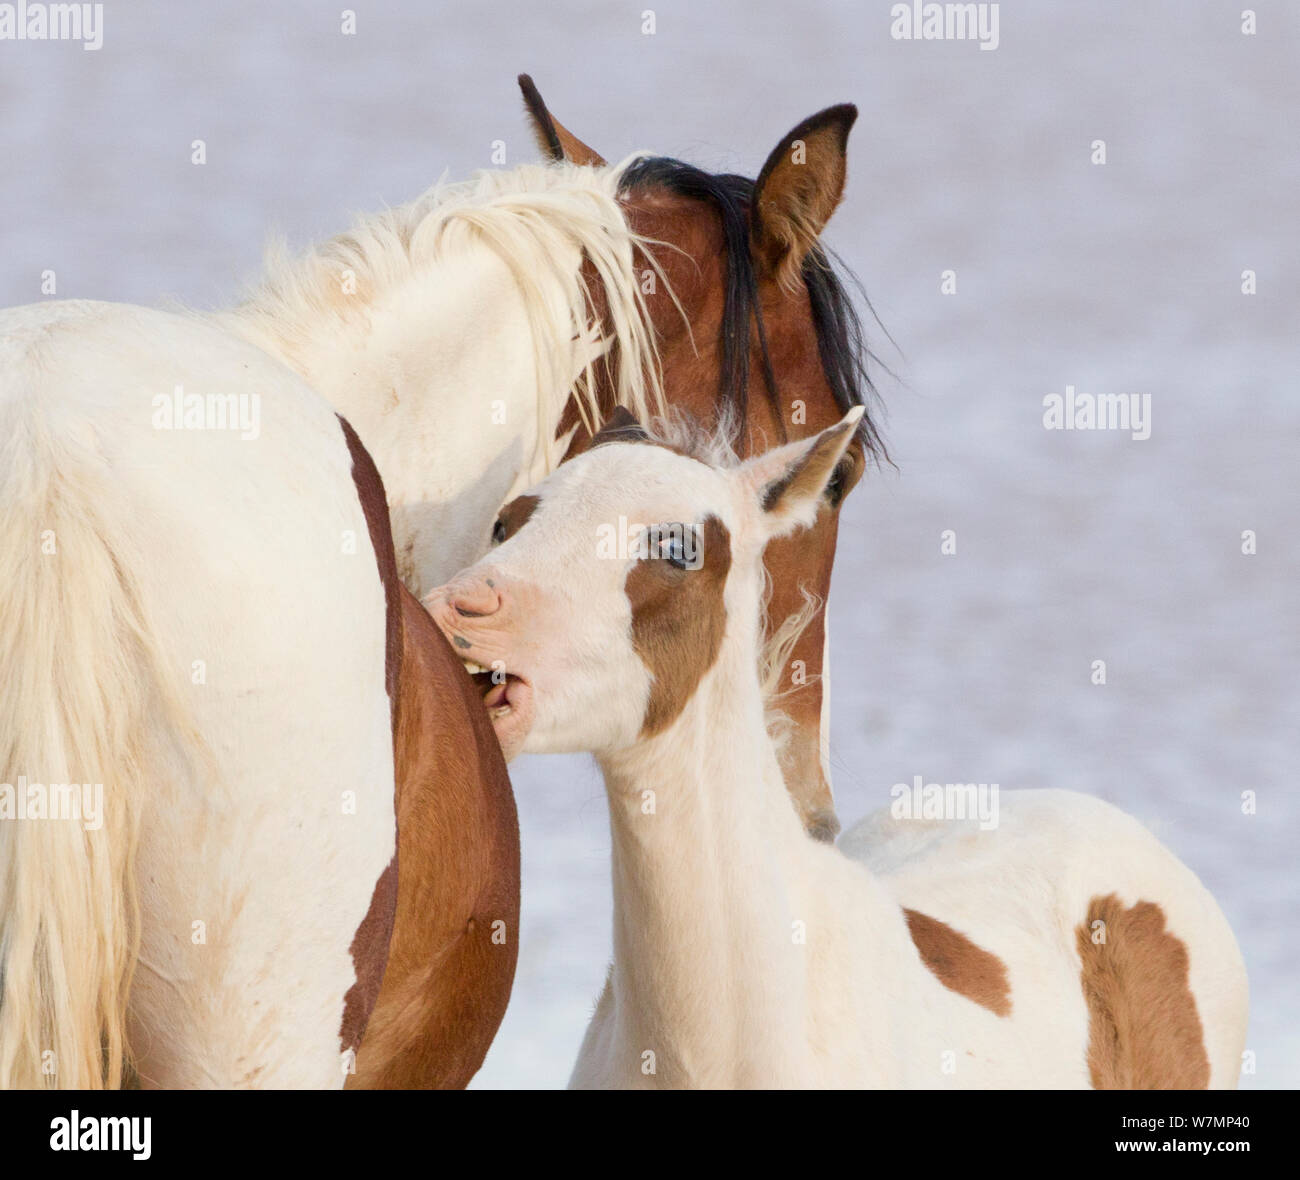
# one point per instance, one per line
(476, 601)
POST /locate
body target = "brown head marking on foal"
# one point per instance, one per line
(433, 976)
(678, 620)
(959, 964)
(761, 305)
(1144, 1032)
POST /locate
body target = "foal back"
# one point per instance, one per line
(1074, 947)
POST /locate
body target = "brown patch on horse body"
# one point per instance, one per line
(1144, 1032)
(678, 619)
(369, 952)
(374, 506)
(370, 943)
(451, 961)
(516, 514)
(432, 983)
(959, 964)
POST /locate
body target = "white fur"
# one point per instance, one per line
(746, 954)
(469, 329)
(227, 797)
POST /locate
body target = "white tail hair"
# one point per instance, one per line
(84, 691)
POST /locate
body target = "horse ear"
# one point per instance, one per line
(555, 142)
(788, 482)
(798, 190)
(620, 426)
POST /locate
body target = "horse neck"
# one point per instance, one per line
(707, 886)
(440, 378)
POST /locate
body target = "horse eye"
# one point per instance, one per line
(835, 488)
(498, 532)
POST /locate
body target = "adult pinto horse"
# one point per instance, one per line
(472, 339)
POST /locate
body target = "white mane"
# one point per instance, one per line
(533, 217)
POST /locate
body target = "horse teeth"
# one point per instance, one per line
(499, 711)
(473, 668)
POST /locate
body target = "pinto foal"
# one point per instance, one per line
(1066, 947)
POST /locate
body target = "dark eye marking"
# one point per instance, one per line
(513, 517)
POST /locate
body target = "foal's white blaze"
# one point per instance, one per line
(250, 743)
(746, 954)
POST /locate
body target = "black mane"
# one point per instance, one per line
(840, 337)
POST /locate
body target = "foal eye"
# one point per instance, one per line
(679, 550)
(498, 531)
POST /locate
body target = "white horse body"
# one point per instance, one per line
(245, 692)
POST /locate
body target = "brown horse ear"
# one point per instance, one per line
(620, 426)
(556, 143)
(798, 190)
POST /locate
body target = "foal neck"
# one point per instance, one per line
(706, 849)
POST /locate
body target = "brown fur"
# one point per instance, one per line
(1144, 1032)
(431, 982)
(370, 944)
(516, 514)
(959, 964)
(690, 368)
(796, 197)
(448, 982)
(678, 619)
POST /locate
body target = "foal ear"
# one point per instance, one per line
(798, 190)
(788, 482)
(556, 143)
(620, 426)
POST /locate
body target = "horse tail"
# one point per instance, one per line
(86, 703)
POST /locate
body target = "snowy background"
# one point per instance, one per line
(1117, 279)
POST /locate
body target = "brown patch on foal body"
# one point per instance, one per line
(432, 982)
(959, 964)
(1144, 1032)
(678, 619)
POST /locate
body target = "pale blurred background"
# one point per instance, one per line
(1072, 547)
